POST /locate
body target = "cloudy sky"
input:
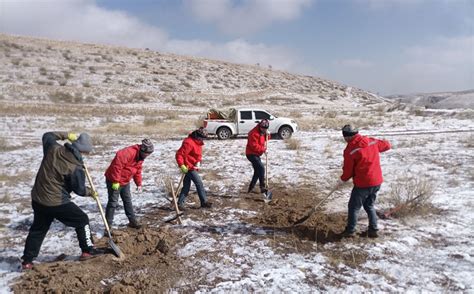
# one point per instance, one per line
(385, 46)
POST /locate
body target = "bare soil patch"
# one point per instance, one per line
(150, 265)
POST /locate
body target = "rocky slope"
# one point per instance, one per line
(43, 70)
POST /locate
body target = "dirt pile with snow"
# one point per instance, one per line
(150, 263)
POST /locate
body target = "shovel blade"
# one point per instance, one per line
(116, 249)
(304, 218)
(172, 218)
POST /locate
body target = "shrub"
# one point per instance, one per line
(293, 144)
(412, 195)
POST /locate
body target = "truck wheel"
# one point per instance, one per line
(224, 133)
(285, 132)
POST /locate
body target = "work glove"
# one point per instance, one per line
(115, 186)
(340, 183)
(139, 189)
(184, 169)
(72, 137)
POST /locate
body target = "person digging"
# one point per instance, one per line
(256, 146)
(188, 158)
(127, 164)
(61, 172)
(362, 164)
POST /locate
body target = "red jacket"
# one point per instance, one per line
(125, 166)
(362, 161)
(189, 153)
(256, 142)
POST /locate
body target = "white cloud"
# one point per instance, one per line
(83, 20)
(247, 16)
(446, 64)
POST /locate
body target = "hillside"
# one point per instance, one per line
(52, 71)
(446, 100)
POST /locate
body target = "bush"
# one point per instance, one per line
(412, 195)
(293, 144)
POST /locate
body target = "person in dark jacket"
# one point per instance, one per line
(127, 164)
(362, 164)
(188, 158)
(256, 146)
(61, 172)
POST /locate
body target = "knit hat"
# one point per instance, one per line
(264, 124)
(349, 131)
(147, 146)
(83, 143)
(200, 133)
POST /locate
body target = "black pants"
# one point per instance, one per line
(258, 172)
(69, 214)
(112, 204)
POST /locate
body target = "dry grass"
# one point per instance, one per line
(4, 146)
(413, 195)
(293, 144)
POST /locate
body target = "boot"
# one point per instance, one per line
(250, 190)
(26, 265)
(134, 224)
(347, 234)
(206, 205)
(90, 253)
(372, 234)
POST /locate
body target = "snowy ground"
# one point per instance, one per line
(225, 253)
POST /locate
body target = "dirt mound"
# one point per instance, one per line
(289, 205)
(149, 265)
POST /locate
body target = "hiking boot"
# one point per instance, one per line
(348, 234)
(181, 207)
(250, 189)
(134, 224)
(92, 252)
(26, 265)
(372, 234)
(206, 205)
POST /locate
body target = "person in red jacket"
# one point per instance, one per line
(256, 146)
(126, 165)
(362, 164)
(188, 158)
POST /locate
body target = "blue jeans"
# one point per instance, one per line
(362, 197)
(124, 193)
(258, 172)
(192, 176)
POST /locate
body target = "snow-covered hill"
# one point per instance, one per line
(52, 71)
(447, 100)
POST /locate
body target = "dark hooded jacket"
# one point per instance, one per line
(61, 172)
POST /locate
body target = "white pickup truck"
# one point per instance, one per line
(239, 121)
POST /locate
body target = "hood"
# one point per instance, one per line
(76, 155)
(359, 141)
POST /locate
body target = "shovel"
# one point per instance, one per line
(267, 195)
(310, 213)
(175, 202)
(114, 247)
